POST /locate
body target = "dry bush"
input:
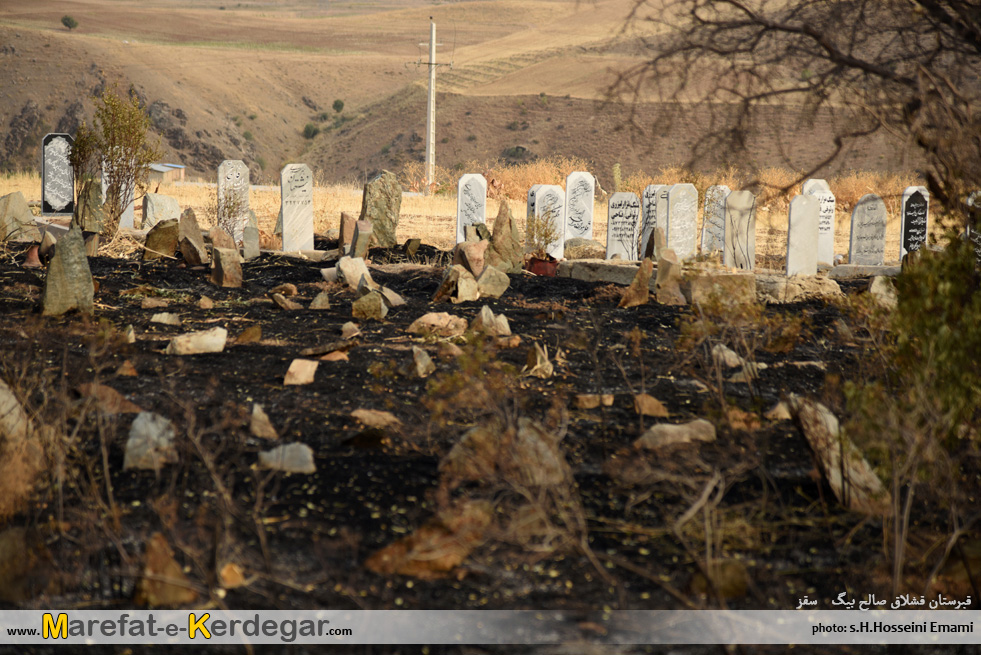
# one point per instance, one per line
(516, 179)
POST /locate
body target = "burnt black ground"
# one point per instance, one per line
(372, 487)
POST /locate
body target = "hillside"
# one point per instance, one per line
(527, 79)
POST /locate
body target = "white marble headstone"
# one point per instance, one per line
(471, 203)
(802, 235)
(128, 218)
(826, 226)
(57, 179)
(714, 218)
(867, 243)
(623, 217)
(296, 207)
(682, 233)
(740, 236)
(916, 219)
(580, 187)
(531, 200)
(233, 193)
(550, 205)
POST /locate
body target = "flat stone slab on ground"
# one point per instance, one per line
(850, 271)
(599, 270)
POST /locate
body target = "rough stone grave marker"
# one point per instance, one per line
(128, 218)
(531, 200)
(682, 233)
(867, 243)
(57, 180)
(233, 198)
(296, 207)
(471, 203)
(648, 212)
(714, 218)
(580, 188)
(621, 226)
(916, 219)
(550, 205)
(814, 185)
(802, 235)
(740, 235)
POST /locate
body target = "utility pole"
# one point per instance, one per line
(431, 109)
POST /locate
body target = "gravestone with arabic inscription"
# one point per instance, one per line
(296, 207)
(714, 218)
(623, 217)
(580, 187)
(233, 198)
(867, 243)
(682, 233)
(471, 203)
(57, 179)
(531, 200)
(826, 225)
(802, 235)
(916, 220)
(550, 206)
(648, 221)
(740, 236)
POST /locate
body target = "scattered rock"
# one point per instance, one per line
(361, 239)
(287, 289)
(206, 303)
(158, 207)
(346, 237)
(108, 400)
(458, 285)
(884, 291)
(126, 369)
(352, 270)
(190, 241)
(68, 284)
(289, 458)
(490, 324)
(505, 251)
(321, 301)
(370, 307)
(392, 299)
(439, 324)
(152, 302)
(260, 425)
(579, 248)
(163, 583)
(779, 412)
(130, 334)
(471, 255)
(231, 576)
(442, 544)
(251, 334)
(668, 284)
(350, 330)
(593, 400)
(226, 271)
(301, 371)
(151, 443)
(221, 239)
(647, 405)
(725, 356)
(16, 220)
(638, 293)
(195, 343)
(329, 274)
(381, 204)
(492, 283)
(666, 434)
(853, 481)
(449, 350)
(777, 289)
(165, 318)
(422, 364)
(284, 303)
(374, 418)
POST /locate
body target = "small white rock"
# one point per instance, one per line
(195, 343)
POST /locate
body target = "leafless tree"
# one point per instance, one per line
(909, 67)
